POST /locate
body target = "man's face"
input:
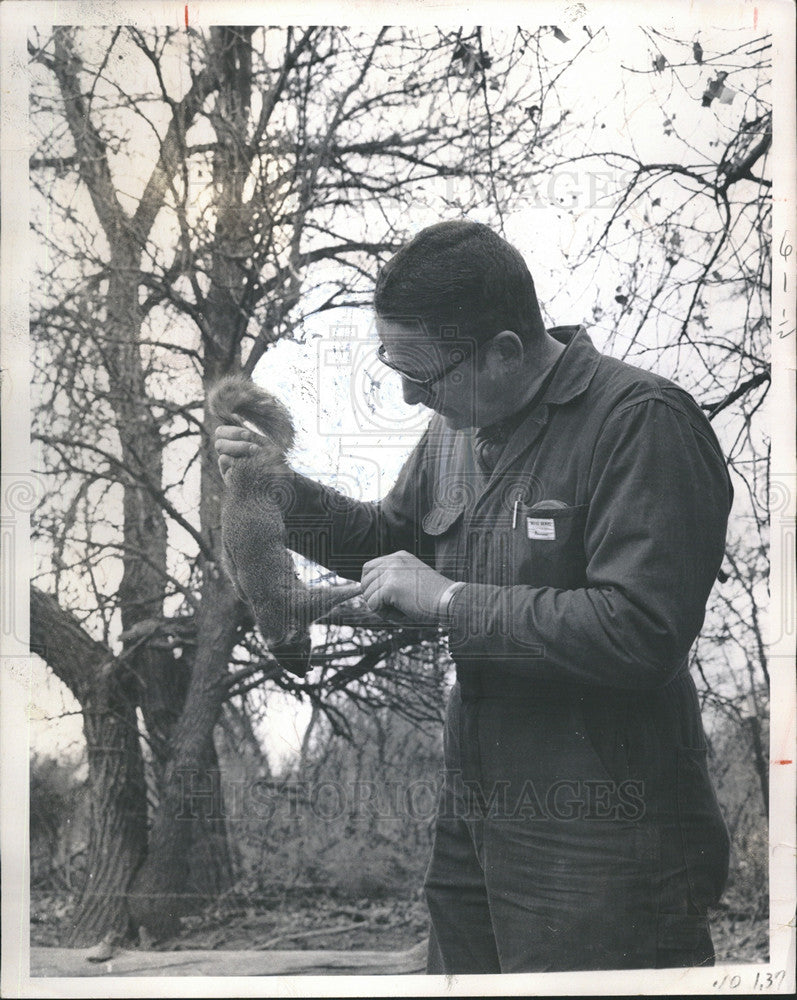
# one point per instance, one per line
(455, 396)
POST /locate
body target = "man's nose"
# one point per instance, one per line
(413, 393)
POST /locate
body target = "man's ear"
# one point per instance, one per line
(507, 349)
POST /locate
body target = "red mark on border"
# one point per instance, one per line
(782, 762)
(186, 15)
(755, 18)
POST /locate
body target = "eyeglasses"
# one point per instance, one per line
(463, 353)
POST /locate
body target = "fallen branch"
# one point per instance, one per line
(317, 932)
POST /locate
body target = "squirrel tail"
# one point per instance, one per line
(235, 399)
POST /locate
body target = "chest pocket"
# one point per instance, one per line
(547, 548)
(443, 524)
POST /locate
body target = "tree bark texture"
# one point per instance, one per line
(160, 892)
(117, 832)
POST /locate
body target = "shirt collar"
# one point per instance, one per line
(574, 369)
(578, 364)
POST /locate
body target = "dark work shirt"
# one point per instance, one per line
(589, 553)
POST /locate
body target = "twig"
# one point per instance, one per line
(722, 404)
(316, 932)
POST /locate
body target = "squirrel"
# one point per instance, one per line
(253, 536)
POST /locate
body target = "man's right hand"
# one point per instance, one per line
(233, 442)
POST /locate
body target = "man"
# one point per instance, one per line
(564, 516)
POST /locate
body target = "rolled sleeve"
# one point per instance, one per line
(659, 498)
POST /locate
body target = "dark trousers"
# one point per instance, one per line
(549, 857)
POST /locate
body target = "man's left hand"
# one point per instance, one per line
(402, 582)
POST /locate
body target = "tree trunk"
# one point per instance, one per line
(117, 832)
(160, 892)
(188, 830)
(210, 869)
(163, 698)
(162, 889)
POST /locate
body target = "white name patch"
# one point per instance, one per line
(541, 528)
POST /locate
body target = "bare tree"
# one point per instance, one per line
(201, 195)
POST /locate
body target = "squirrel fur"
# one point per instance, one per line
(253, 534)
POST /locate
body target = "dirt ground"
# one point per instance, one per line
(316, 921)
(305, 921)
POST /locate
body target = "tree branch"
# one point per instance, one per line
(62, 642)
(740, 390)
(173, 144)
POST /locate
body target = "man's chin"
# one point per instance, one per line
(456, 422)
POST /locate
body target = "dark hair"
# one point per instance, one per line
(459, 277)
